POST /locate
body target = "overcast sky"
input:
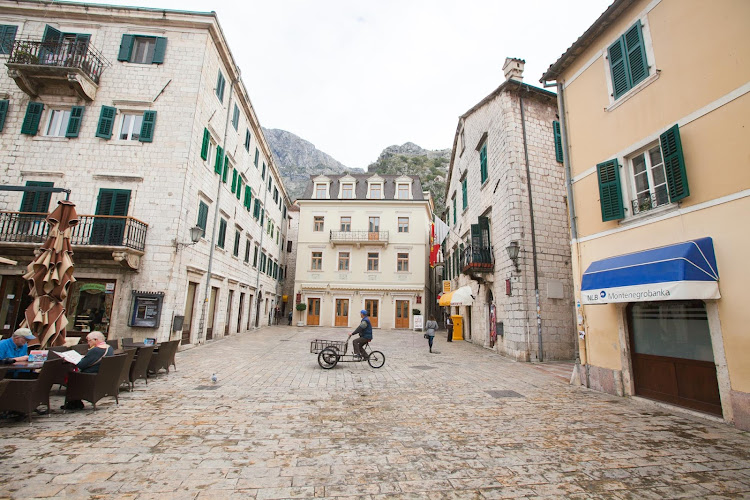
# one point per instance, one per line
(354, 77)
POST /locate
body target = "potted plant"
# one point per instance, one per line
(301, 307)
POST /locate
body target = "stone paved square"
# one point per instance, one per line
(278, 426)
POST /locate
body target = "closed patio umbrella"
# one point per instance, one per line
(50, 275)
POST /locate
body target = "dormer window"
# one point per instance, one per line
(320, 191)
(376, 191)
(347, 191)
(402, 191)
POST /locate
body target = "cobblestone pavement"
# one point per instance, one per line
(464, 423)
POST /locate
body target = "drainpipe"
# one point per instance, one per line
(260, 245)
(202, 322)
(540, 352)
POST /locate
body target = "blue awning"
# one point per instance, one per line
(684, 271)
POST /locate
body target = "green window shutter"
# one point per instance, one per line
(31, 120)
(202, 217)
(255, 257)
(558, 141)
(7, 37)
(147, 127)
(236, 117)
(246, 200)
(674, 164)
(234, 180)
(464, 194)
(484, 228)
(225, 174)
(34, 201)
(610, 195)
(219, 159)
(483, 162)
(206, 143)
(74, 123)
(220, 82)
(222, 233)
(256, 157)
(263, 172)
(476, 236)
(106, 122)
(247, 140)
(236, 250)
(238, 193)
(619, 68)
(126, 47)
(636, 54)
(454, 211)
(4, 103)
(159, 49)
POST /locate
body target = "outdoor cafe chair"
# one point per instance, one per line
(115, 345)
(94, 386)
(81, 349)
(125, 373)
(163, 357)
(139, 368)
(23, 395)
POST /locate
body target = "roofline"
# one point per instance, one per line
(584, 41)
(506, 85)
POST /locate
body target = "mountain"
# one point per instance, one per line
(430, 165)
(298, 159)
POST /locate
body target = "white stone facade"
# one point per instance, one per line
(167, 178)
(496, 124)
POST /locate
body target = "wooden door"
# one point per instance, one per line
(229, 312)
(371, 306)
(212, 312)
(313, 312)
(189, 308)
(672, 356)
(342, 312)
(402, 314)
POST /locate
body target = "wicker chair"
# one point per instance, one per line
(25, 395)
(139, 367)
(94, 386)
(125, 373)
(81, 349)
(114, 343)
(163, 358)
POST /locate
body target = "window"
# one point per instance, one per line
(403, 191)
(373, 259)
(4, 103)
(402, 262)
(202, 217)
(140, 49)
(220, 84)
(464, 194)
(262, 261)
(257, 153)
(236, 251)
(137, 127)
(627, 61)
(347, 191)
(373, 225)
(247, 251)
(483, 163)
(275, 195)
(222, 232)
(376, 191)
(236, 117)
(454, 209)
(558, 141)
(317, 261)
(256, 209)
(657, 176)
(346, 224)
(343, 261)
(289, 246)
(263, 172)
(255, 256)
(320, 191)
(64, 122)
(7, 37)
(247, 140)
(403, 224)
(318, 223)
(36, 201)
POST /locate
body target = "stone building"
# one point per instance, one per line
(363, 244)
(140, 114)
(504, 163)
(290, 267)
(657, 154)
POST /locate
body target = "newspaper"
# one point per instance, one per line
(70, 356)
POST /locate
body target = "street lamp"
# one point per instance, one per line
(513, 250)
(196, 232)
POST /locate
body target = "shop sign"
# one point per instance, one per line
(109, 288)
(446, 286)
(96, 287)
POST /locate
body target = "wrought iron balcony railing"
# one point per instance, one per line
(477, 260)
(63, 54)
(105, 230)
(359, 236)
(646, 202)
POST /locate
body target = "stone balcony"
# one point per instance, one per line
(359, 237)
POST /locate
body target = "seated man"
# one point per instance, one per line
(15, 347)
(365, 335)
(98, 349)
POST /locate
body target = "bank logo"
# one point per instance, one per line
(603, 294)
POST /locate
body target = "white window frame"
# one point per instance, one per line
(322, 223)
(341, 224)
(398, 224)
(402, 271)
(341, 191)
(130, 135)
(398, 190)
(312, 259)
(318, 185)
(148, 54)
(630, 191)
(62, 125)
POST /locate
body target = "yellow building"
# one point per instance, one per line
(363, 243)
(655, 117)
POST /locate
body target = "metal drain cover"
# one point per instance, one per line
(422, 367)
(504, 394)
(206, 387)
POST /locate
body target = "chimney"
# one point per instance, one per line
(513, 69)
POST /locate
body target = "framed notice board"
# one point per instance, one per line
(146, 309)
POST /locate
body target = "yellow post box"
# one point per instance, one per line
(458, 327)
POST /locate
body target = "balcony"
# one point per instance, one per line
(121, 239)
(65, 67)
(477, 260)
(359, 237)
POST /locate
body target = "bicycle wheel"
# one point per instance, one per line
(328, 358)
(376, 359)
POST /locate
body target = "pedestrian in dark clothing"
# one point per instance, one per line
(431, 327)
(449, 325)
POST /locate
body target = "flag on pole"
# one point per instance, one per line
(440, 230)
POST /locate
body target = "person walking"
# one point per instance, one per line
(449, 326)
(431, 327)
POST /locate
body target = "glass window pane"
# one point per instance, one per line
(655, 155)
(641, 182)
(135, 133)
(658, 174)
(639, 164)
(127, 124)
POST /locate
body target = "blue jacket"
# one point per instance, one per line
(364, 329)
(8, 349)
